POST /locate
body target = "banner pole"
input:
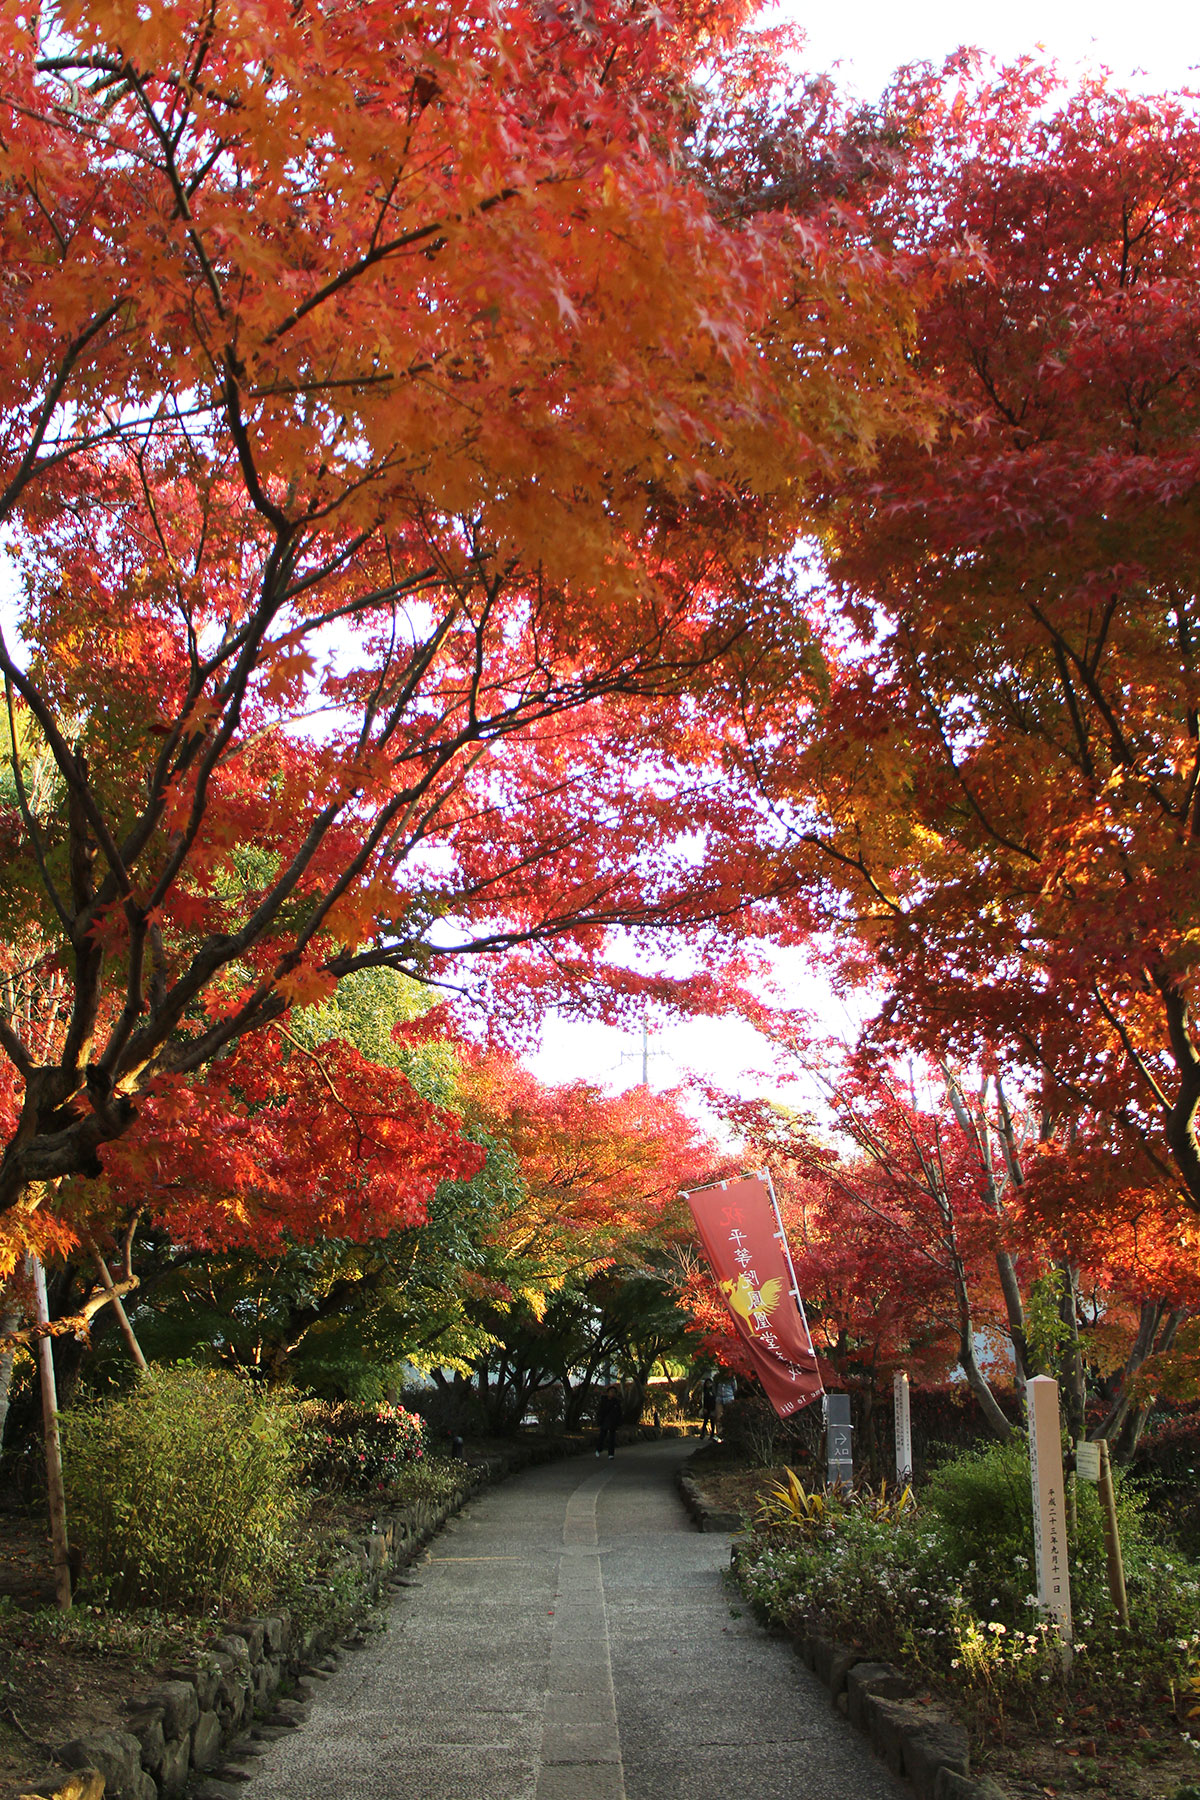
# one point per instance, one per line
(765, 1177)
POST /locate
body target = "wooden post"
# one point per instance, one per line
(1112, 1536)
(900, 1396)
(127, 1331)
(54, 1476)
(1049, 1506)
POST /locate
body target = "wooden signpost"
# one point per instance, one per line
(1049, 1506)
(900, 1398)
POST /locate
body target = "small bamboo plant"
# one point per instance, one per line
(810, 1510)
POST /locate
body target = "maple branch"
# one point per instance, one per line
(259, 498)
(969, 795)
(1136, 1059)
(76, 1324)
(1128, 1120)
(170, 170)
(1077, 719)
(432, 235)
(1122, 749)
(29, 464)
(1008, 1137)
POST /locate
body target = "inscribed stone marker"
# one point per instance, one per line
(1049, 1504)
(903, 1426)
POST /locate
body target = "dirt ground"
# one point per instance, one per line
(1108, 1757)
(48, 1695)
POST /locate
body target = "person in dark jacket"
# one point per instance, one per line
(609, 1415)
(708, 1407)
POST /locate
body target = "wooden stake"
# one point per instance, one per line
(54, 1475)
(1112, 1536)
(127, 1331)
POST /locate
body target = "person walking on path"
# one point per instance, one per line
(708, 1407)
(609, 1415)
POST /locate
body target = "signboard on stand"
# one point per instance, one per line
(1049, 1505)
(1087, 1461)
(839, 1440)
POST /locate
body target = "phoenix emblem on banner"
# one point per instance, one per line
(753, 1305)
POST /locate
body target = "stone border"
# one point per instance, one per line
(917, 1739)
(192, 1733)
(706, 1517)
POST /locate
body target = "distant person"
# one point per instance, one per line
(609, 1415)
(708, 1407)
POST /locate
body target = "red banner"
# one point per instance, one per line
(743, 1238)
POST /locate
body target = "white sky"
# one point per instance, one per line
(1149, 47)
(873, 37)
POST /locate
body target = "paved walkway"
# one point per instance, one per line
(570, 1637)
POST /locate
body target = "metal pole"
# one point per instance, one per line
(765, 1177)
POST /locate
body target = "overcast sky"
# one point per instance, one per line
(1149, 46)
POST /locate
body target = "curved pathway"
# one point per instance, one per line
(570, 1636)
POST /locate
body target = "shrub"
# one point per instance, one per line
(1167, 1460)
(981, 1508)
(182, 1492)
(449, 1412)
(352, 1448)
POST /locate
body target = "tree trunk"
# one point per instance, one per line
(1014, 1307)
(1071, 1373)
(1126, 1417)
(997, 1423)
(976, 1379)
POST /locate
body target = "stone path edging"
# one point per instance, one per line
(923, 1742)
(212, 1713)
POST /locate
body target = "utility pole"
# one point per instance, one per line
(644, 1054)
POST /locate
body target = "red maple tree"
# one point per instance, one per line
(997, 805)
(396, 438)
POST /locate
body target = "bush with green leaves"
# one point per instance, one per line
(357, 1448)
(947, 1588)
(183, 1493)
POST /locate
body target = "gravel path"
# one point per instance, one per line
(570, 1637)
